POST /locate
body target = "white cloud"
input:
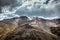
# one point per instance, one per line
(28, 8)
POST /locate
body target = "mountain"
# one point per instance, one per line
(21, 28)
(8, 25)
(28, 32)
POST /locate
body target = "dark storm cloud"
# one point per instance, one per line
(47, 1)
(11, 3)
(7, 2)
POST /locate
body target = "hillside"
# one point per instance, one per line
(21, 28)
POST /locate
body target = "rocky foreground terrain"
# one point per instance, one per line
(21, 28)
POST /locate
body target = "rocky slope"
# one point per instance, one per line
(27, 32)
(21, 28)
(8, 25)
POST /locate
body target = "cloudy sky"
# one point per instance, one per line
(41, 8)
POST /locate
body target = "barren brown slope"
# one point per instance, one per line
(28, 32)
(21, 28)
(8, 25)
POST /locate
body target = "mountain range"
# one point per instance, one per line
(22, 28)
